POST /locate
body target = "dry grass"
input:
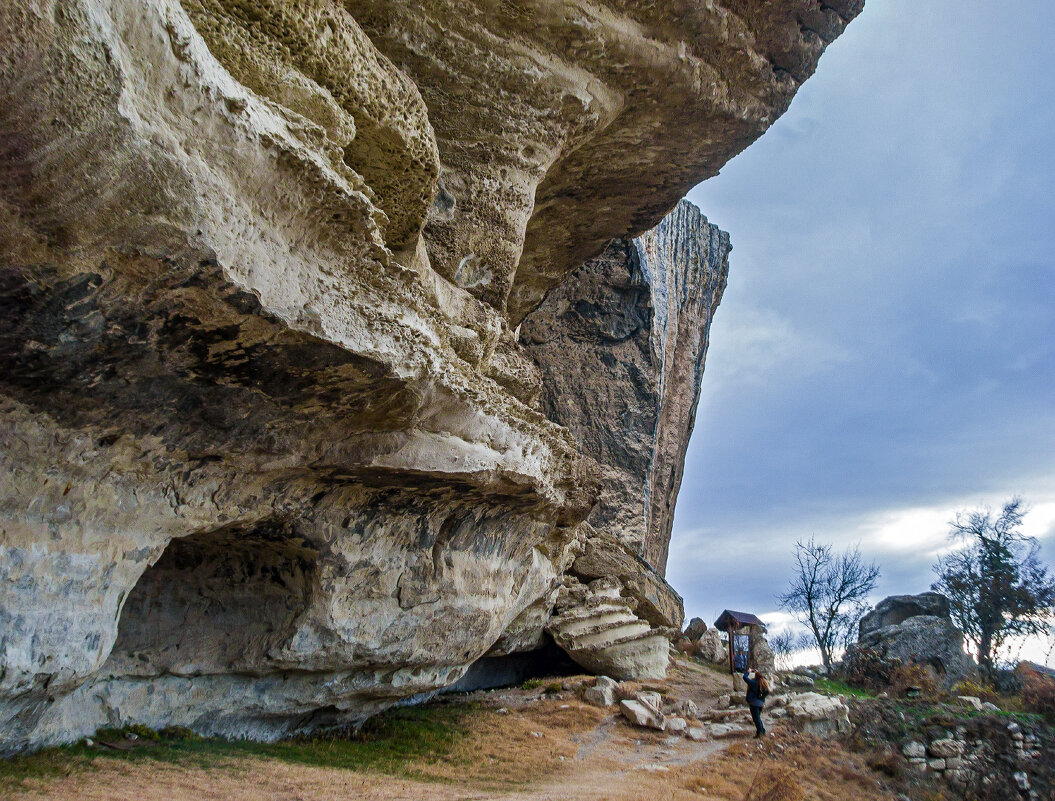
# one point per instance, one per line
(517, 748)
(550, 749)
(792, 768)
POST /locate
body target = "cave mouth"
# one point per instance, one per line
(219, 601)
(511, 670)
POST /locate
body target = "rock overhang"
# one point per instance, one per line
(263, 269)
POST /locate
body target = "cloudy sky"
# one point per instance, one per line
(885, 351)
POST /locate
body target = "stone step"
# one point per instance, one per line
(610, 635)
(579, 626)
(586, 612)
(646, 639)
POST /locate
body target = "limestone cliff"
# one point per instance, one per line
(272, 457)
(621, 345)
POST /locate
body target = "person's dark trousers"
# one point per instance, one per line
(756, 716)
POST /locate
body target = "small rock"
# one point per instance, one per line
(988, 706)
(88, 741)
(696, 733)
(641, 715)
(676, 725)
(685, 707)
(605, 681)
(131, 736)
(536, 734)
(720, 731)
(972, 701)
(502, 711)
(1022, 780)
(652, 700)
(914, 750)
(945, 748)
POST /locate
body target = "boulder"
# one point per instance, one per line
(820, 715)
(761, 655)
(896, 609)
(695, 629)
(921, 639)
(722, 731)
(642, 715)
(914, 750)
(710, 647)
(604, 554)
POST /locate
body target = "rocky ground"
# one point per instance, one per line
(531, 743)
(544, 741)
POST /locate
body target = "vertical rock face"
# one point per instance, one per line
(272, 457)
(621, 345)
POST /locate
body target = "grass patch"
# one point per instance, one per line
(52, 763)
(401, 742)
(836, 687)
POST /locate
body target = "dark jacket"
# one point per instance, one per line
(754, 692)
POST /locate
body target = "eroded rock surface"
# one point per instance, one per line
(621, 345)
(272, 456)
(599, 630)
(915, 629)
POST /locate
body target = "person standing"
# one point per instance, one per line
(757, 690)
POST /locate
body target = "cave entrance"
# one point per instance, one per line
(219, 601)
(511, 670)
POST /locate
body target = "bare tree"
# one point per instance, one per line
(829, 593)
(996, 584)
(784, 646)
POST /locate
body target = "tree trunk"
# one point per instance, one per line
(985, 656)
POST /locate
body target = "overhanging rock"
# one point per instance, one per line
(264, 265)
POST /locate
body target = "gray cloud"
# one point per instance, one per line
(886, 346)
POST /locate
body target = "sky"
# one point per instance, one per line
(884, 354)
